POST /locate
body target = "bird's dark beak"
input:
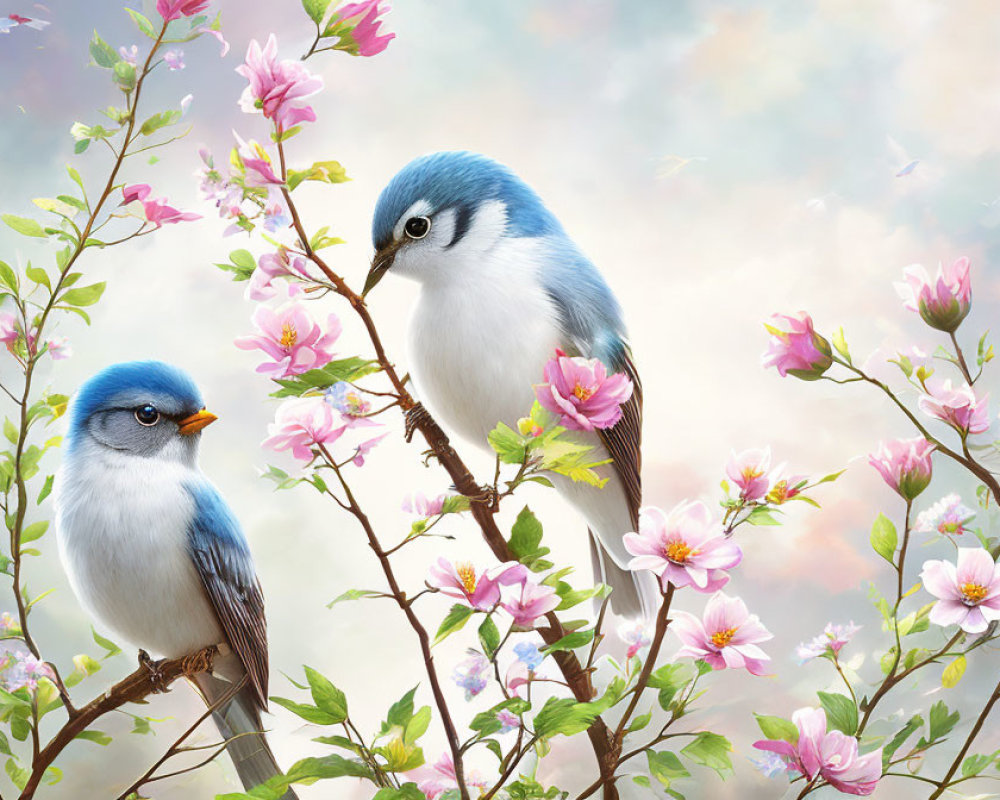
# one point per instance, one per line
(380, 265)
(194, 423)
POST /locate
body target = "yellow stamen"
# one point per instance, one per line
(751, 473)
(722, 638)
(778, 493)
(582, 393)
(467, 575)
(289, 336)
(679, 552)
(973, 593)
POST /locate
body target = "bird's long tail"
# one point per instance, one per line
(634, 595)
(239, 722)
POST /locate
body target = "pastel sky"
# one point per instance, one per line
(718, 161)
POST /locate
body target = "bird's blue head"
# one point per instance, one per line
(142, 408)
(445, 206)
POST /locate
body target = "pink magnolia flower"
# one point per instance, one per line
(904, 464)
(292, 339)
(948, 516)
(357, 26)
(257, 163)
(471, 674)
(798, 351)
(581, 392)
(726, 636)
(685, 547)
(959, 407)
(784, 485)
(155, 210)
(280, 264)
(517, 678)
(636, 635)
(829, 643)
(175, 9)
(534, 600)
(9, 329)
(480, 590)
(748, 470)
(174, 59)
(59, 348)
(968, 593)
(942, 302)
(277, 88)
(300, 424)
(831, 754)
(421, 505)
(435, 780)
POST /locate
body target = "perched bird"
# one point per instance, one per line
(153, 551)
(501, 287)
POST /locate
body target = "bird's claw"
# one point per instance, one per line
(415, 416)
(156, 677)
(487, 496)
(428, 455)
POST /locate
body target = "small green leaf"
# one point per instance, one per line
(97, 737)
(841, 712)
(307, 712)
(159, 120)
(111, 648)
(571, 641)
(840, 345)
(710, 750)
(953, 673)
(940, 721)
(489, 637)
(24, 225)
(883, 537)
(316, 9)
(35, 530)
(103, 54)
(326, 696)
(8, 277)
(85, 295)
(913, 724)
(777, 728)
(563, 715)
(455, 621)
(142, 23)
(666, 767)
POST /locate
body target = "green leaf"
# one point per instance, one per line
(97, 737)
(710, 750)
(8, 277)
(840, 345)
(940, 721)
(55, 206)
(841, 712)
(455, 621)
(353, 594)
(35, 530)
(125, 75)
(323, 171)
(307, 712)
(526, 538)
(111, 648)
(18, 775)
(563, 715)
(316, 9)
(400, 712)
(913, 724)
(142, 23)
(417, 726)
(975, 764)
(953, 673)
(159, 120)
(761, 515)
(408, 791)
(571, 641)
(666, 767)
(640, 722)
(103, 54)
(38, 275)
(24, 225)
(345, 369)
(489, 637)
(326, 696)
(310, 770)
(85, 295)
(10, 431)
(883, 537)
(777, 728)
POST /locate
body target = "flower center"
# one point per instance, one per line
(679, 552)
(949, 526)
(973, 593)
(467, 575)
(722, 638)
(582, 393)
(751, 473)
(778, 493)
(289, 336)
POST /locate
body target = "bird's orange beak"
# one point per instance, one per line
(194, 423)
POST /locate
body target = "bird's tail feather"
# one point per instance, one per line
(238, 720)
(634, 595)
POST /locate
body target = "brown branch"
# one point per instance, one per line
(137, 686)
(980, 721)
(482, 511)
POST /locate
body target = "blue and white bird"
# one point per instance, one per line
(501, 287)
(153, 551)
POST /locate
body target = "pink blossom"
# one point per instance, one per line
(481, 590)
(959, 407)
(257, 163)
(435, 780)
(293, 341)
(534, 600)
(280, 264)
(277, 88)
(156, 210)
(357, 26)
(129, 55)
(726, 636)
(362, 450)
(423, 506)
(798, 351)
(748, 470)
(9, 329)
(19, 669)
(904, 464)
(518, 678)
(175, 9)
(827, 644)
(784, 485)
(948, 516)
(508, 720)
(831, 754)
(636, 635)
(300, 424)
(685, 547)
(174, 59)
(942, 302)
(581, 392)
(968, 593)
(217, 35)
(59, 348)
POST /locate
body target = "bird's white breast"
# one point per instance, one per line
(122, 525)
(480, 336)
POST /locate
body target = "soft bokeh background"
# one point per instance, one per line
(718, 161)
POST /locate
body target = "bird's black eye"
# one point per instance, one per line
(147, 415)
(417, 227)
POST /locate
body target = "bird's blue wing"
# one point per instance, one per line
(592, 326)
(221, 556)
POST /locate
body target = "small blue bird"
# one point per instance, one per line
(501, 287)
(153, 551)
